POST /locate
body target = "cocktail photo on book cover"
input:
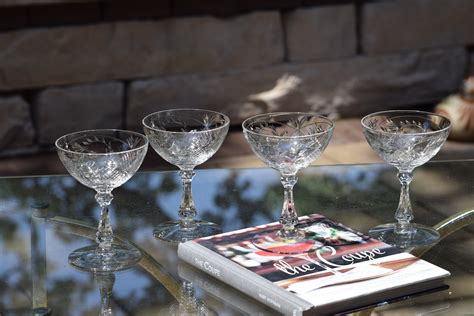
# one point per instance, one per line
(333, 259)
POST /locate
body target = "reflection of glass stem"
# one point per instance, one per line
(38, 259)
(404, 213)
(104, 236)
(105, 281)
(188, 297)
(188, 304)
(187, 210)
(288, 217)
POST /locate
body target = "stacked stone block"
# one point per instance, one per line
(342, 59)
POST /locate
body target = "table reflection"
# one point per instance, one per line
(35, 240)
(38, 259)
(188, 304)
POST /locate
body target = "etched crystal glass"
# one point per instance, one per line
(405, 140)
(288, 142)
(103, 160)
(186, 138)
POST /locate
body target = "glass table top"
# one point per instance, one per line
(43, 219)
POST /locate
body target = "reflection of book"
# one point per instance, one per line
(238, 300)
(347, 271)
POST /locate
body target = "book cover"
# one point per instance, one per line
(346, 269)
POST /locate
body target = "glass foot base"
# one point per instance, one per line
(286, 243)
(175, 232)
(120, 257)
(420, 236)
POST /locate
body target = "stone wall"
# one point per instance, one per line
(105, 64)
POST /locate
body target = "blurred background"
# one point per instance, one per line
(74, 65)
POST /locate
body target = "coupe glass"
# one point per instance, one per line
(288, 142)
(186, 138)
(103, 160)
(405, 140)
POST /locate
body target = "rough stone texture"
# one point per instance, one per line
(402, 25)
(63, 55)
(16, 128)
(309, 37)
(63, 110)
(367, 84)
(220, 92)
(346, 88)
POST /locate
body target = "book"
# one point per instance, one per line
(337, 270)
(246, 305)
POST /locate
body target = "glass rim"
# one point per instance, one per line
(225, 117)
(273, 114)
(407, 112)
(58, 147)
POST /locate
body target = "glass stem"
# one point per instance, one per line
(104, 236)
(288, 217)
(105, 281)
(404, 213)
(187, 210)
